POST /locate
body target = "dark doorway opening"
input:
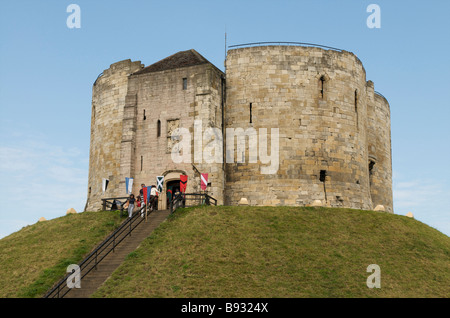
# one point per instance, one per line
(172, 188)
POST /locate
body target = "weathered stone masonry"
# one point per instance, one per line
(334, 129)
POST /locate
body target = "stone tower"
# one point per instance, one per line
(332, 128)
(379, 148)
(168, 95)
(326, 126)
(136, 110)
(108, 100)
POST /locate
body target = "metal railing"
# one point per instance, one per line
(285, 43)
(378, 93)
(100, 252)
(191, 199)
(125, 229)
(99, 75)
(113, 203)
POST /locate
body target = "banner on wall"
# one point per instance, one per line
(145, 193)
(159, 183)
(149, 191)
(183, 183)
(105, 183)
(128, 185)
(203, 181)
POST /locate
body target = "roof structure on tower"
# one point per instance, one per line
(177, 60)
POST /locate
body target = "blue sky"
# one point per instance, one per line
(47, 71)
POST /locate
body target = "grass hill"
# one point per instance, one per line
(284, 252)
(34, 258)
(240, 252)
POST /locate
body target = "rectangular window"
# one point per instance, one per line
(371, 164)
(158, 128)
(250, 113)
(323, 174)
(185, 83)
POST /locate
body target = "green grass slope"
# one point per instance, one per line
(284, 252)
(34, 258)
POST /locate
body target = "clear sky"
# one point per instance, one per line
(47, 71)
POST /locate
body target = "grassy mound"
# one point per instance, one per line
(284, 252)
(34, 258)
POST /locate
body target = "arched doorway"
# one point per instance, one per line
(172, 187)
(172, 182)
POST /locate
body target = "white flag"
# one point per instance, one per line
(128, 185)
(104, 184)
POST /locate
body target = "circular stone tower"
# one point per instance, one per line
(316, 100)
(379, 147)
(108, 101)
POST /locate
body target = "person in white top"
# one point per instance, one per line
(154, 197)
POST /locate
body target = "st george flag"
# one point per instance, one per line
(204, 181)
(183, 182)
(128, 184)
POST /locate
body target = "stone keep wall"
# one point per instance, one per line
(207, 108)
(379, 147)
(328, 117)
(321, 126)
(108, 100)
(161, 97)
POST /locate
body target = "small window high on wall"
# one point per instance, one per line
(158, 128)
(371, 164)
(322, 86)
(185, 83)
(323, 175)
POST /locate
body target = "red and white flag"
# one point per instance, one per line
(204, 181)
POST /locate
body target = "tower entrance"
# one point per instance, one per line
(172, 187)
